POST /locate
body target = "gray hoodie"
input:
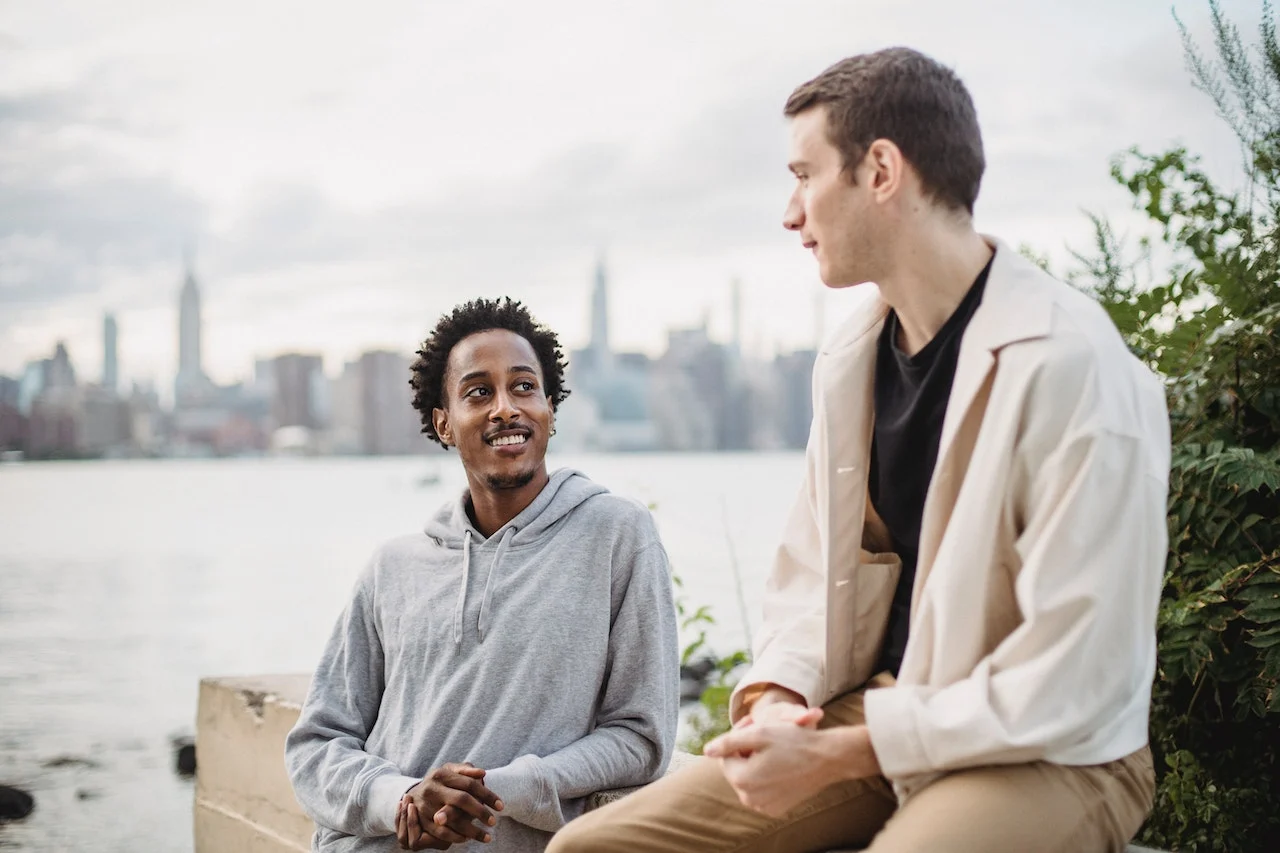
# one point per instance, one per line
(545, 654)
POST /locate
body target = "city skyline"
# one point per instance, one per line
(698, 395)
(191, 334)
(354, 175)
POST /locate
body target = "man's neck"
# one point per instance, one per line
(930, 278)
(491, 509)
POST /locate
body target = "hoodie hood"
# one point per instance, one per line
(563, 493)
(451, 527)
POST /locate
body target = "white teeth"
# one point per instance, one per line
(508, 439)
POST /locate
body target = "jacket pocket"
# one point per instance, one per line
(874, 582)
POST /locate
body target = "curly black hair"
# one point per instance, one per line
(481, 315)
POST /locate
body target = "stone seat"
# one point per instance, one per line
(244, 801)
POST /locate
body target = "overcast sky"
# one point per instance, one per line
(347, 171)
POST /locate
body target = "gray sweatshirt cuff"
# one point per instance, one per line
(519, 786)
(384, 796)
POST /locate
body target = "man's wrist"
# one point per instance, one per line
(384, 795)
(851, 755)
(773, 694)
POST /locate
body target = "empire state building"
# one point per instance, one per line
(191, 381)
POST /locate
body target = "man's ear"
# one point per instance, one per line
(887, 166)
(440, 421)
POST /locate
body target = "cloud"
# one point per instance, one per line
(67, 205)
(717, 181)
(44, 109)
(347, 188)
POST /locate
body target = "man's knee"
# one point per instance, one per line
(576, 836)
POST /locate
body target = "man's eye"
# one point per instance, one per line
(525, 386)
(476, 392)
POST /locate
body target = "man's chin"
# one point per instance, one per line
(841, 281)
(507, 481)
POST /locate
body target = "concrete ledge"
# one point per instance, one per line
(244, 802)
(217, 830)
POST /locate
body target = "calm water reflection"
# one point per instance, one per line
(121, 584)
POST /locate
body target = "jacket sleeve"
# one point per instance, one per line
(1093, 546)
(337, 783)
(791, 645)
(635, 728)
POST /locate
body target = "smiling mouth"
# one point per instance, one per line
(508, 440)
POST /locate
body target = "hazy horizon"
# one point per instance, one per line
(345, 175)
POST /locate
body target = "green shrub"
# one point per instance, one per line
(1208, 324)
(711, 718)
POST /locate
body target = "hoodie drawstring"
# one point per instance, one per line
(462, 591)
(483, 621)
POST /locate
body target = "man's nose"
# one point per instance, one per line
(504, 407)
(793, 216)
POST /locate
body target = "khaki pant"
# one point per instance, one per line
(1022, 808)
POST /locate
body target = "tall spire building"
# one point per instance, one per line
(600, 352)
(191, 378)
(735, 301)
(110, 353)
(610, 408)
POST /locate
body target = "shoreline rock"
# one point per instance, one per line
(184, 756)
(15, 804)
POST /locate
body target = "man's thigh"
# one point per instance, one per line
(695, 810)
(1026, 808)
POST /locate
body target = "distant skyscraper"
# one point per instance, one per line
(389, 423)
(794, 407)
(110, 353)
(191, 378)
(60, 374)
(600, 316)
(611, 408)
(298, 377)
(735, 295)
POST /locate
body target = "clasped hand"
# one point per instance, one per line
(450, 806)
(776, 759)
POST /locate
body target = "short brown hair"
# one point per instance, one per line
(918, 104)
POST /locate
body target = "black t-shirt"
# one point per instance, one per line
(911, 394)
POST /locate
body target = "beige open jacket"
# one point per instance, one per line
(1042, 547)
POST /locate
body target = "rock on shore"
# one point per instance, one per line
(14, 804)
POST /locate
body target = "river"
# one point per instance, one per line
(123, 583)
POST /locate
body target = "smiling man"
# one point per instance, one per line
(518, 654)
(959, 628)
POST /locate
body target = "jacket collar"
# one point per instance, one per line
(1016, 306)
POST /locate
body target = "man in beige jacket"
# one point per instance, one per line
(959, 627)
